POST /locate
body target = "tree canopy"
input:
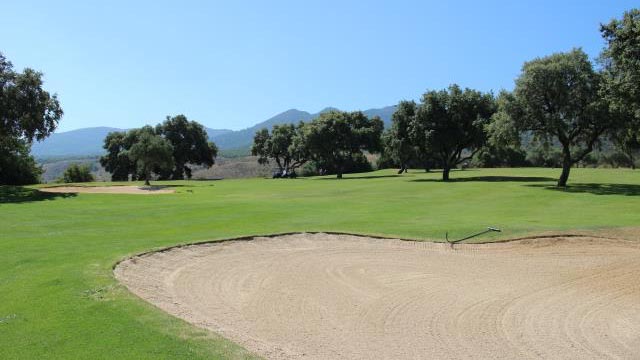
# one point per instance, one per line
(151, 153)
(621, 60)
(17, 167)
(336, 138)
(449, 125)
(190, 144)
(27, 113)
(557, 99)
(396, 140)
(285, 145)
(117, 161)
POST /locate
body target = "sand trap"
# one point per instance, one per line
(108, 189)
(320, 296)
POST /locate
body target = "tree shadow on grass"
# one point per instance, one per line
(596, 189)
(347, 177)
(19, 194)
(492, 179)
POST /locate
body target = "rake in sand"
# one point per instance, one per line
(489, 229)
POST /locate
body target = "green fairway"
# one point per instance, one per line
(58, 298)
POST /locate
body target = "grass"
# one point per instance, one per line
(58, 298)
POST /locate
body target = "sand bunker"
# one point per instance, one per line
(320, 296)
(109, 189)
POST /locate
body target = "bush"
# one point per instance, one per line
(77, 173)
(542, 156)
(506, 156)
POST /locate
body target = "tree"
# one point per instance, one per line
(627, 141)
(285, 145)
(190, 144)
(621, 69)
(117, 161)
(27, 113)
(188, 140)
(621, 60)
(17, 167)
(557, 99)
(77, 173)
(397, 141)
(151, 152)
(335, 138)
(449, 125)
(503, 146)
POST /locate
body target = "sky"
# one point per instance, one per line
(233, 64)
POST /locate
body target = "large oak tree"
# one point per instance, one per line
(621, 64)
(557, 98)
(151, 153)
(336, 138)
(396, 140)
(190, 145)
(621, 60)
(27, 113)
(188, 140)
(449, 125)
(285, 145)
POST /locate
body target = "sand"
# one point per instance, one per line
(321, 296)
(145, 190)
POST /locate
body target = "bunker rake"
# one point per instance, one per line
(453, 242)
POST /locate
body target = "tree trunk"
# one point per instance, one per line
(146, 181)
(445, 173)
(339, 175)
(566, 167)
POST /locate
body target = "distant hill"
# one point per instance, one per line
(242, 139)
(216, 132)
(85, 142)
(88, 141)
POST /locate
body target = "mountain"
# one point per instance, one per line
(88, 141)
(243, 138)
(216, 132)
(85, 142)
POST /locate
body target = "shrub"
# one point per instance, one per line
(76, 173)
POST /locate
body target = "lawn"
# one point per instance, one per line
(58, 298)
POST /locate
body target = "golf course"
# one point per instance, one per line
(60, 298)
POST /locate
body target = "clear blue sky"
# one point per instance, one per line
(232, 64)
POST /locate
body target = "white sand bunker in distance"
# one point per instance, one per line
(321, 296)
(109, 189)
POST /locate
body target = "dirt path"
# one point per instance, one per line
(146, 190)
(320, 296)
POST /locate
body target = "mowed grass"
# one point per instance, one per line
(58, 297)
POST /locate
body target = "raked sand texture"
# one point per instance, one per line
(322, 296)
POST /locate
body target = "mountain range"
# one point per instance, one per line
(88, 141)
